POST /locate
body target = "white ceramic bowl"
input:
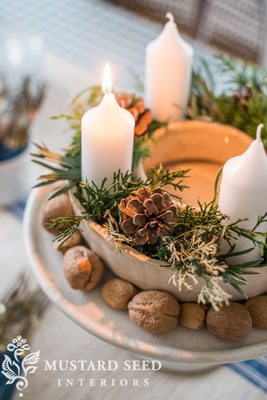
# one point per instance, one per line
(150, 274)
(201, 146)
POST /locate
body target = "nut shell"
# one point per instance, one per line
(192, 315)
(231, 323)
(154, 311)
(83, 268)
(257, 307)
(74, 240)
(117, 293)
(60, 206)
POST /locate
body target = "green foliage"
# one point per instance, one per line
(164, 177)
(141, 150)
(101, 202)
(71, 225)
(242, 101)
(61, 168)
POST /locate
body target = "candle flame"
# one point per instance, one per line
(259, 129)
(106, 84)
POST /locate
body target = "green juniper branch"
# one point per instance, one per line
(241, 102)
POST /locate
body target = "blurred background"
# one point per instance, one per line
(49, 51)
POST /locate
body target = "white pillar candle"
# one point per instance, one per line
(243, 194)
(107, 138)
(168, 73)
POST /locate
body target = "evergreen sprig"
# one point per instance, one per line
(241, 99)
(64, 168)
(101, 201)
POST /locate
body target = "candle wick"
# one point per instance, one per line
(259, 129)
(106, 84)
(170, 16)
(106, 90)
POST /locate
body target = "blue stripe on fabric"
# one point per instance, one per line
(253, 370)
(18, 208)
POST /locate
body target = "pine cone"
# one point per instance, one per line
(148, 215)
(136, 107)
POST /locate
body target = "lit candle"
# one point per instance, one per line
(107, 138)
(243, 194)
(168, 73)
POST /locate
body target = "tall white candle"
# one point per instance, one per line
(168, 73)
(243, 193)
(107, 138)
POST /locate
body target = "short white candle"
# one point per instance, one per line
(107, 138)
(243, 194)
(168, 73)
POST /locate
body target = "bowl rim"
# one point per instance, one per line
(163, 352)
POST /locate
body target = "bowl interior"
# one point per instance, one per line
(202, 147)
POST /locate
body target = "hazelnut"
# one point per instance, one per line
(83, 268)
(154, 311)
(59, 206)
(257, 307)
(231, 323)
(117, 293)
(72, 241)
(192, 315)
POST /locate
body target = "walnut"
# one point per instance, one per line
(154, 311)
(74, 240)
(60, 206)
(257, 308)
(192, 315)
(231, 323)
(83, 268)
(117, 293)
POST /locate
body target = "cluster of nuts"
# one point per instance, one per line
(159, 312)
(153, 310)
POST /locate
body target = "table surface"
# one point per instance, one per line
(79, 37)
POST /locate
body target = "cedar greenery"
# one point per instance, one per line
(101, 203)
(241, 101)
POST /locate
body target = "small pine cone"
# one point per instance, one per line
(142, 116)
(148, 215)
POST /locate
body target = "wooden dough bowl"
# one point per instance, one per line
(147, 273)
